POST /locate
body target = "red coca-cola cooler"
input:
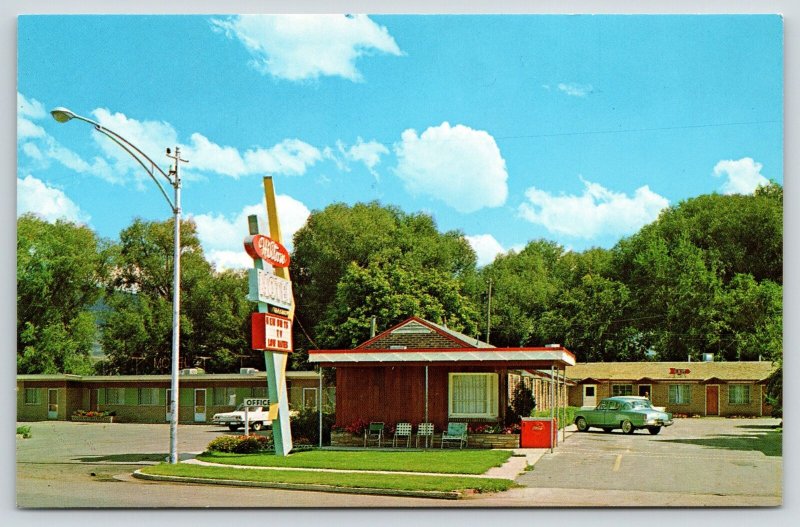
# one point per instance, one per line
(538, 432)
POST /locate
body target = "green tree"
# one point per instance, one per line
(392, 292)
(61, 267)
(137, 331)
(368, 246)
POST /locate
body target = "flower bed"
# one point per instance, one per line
(83, 416)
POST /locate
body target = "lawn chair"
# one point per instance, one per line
(425, 430)
(402, 430)
(455, 432)
(373, 431)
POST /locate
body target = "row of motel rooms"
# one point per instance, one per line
(415, 371)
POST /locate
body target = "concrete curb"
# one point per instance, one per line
(301, 486)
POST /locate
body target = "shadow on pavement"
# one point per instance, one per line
(123, 458)
(769, 443)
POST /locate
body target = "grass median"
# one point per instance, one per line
(441, 461)
(352, 480)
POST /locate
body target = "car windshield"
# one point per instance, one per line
(640, 404)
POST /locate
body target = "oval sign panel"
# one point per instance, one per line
(264, 247)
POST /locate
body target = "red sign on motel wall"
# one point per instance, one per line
(271, 332)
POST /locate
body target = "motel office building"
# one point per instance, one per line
(144, 398)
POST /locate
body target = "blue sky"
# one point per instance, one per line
(577, 129)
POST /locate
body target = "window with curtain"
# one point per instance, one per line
(473, 395)
(679, 393)
(32, 396)
(738, 394)
(147, 396)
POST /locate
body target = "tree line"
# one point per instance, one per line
(705, 277)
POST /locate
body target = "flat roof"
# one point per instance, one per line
(559, 356)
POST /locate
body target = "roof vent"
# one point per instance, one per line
(398, 347)
(708, 357)
(552, 345)
(192, 371)
(247, 371)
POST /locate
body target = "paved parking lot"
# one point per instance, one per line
(696, 462)
(738, 461)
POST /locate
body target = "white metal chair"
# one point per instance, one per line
(425, 430)
(402, 430)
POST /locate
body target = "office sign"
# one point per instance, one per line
(256, 402)
(271, 332)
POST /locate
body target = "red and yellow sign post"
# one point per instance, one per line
(271, 287)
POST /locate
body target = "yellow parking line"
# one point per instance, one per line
(617, 462)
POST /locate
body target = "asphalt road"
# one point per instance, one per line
(694, 463)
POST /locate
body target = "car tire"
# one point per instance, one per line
(233, 428)
(581, 424)
(654, 430)
(257, 426)
(627, 427)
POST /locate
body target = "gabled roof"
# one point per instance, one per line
(420, 333)
(677, 371)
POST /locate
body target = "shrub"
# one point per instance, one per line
(24, 431)
(562, 420)
(522, 404)
(305, 426)
(252, 444)
(240, 444)
(357, 427)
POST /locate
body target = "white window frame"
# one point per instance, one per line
(153, 396)
(36, 400)
(316, 397)
(746, 391)
(675, 389)
(616, 388)
(490, 401)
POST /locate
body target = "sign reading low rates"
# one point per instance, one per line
(271, 332)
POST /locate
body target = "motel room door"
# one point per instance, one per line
(712, 399)
(590, 395)
(200, 405)
(52, 403)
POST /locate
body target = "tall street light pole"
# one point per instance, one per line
(62, 115)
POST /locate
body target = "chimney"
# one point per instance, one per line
(372, 327)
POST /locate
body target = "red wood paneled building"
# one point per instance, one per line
(419, 371)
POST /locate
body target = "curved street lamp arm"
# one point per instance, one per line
(137, 154)
(132, 150)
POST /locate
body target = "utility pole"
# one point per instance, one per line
(489, 313)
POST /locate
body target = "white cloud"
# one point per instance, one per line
(289, 157)
(744, 175)
(30, 108)
(49, 203)
(486, 247)
(299, 47)
(575, 90)
(458, 165)
(368, 153)
(27, 129)
(222, 236)
(596, 212)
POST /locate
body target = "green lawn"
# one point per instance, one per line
(441, 461)
(336, 479)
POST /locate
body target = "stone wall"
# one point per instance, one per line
(473, 441)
